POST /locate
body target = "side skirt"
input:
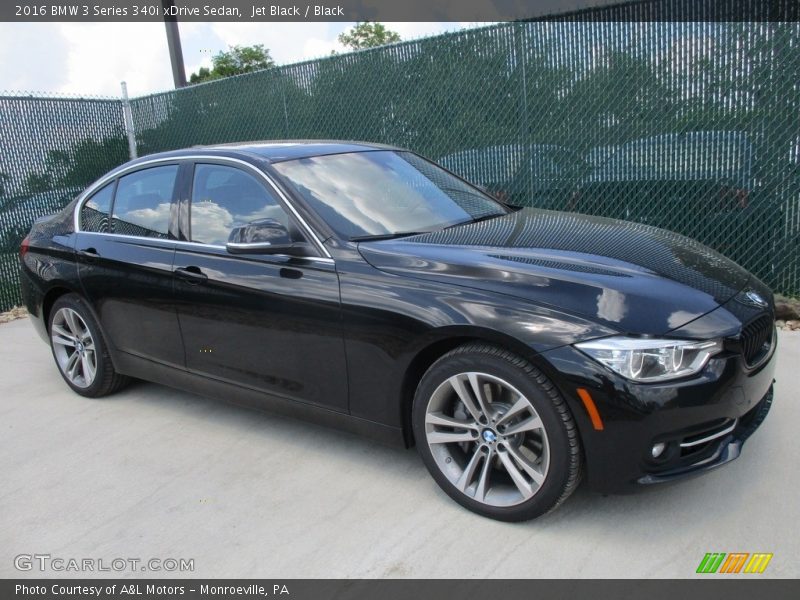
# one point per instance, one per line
(141, 368)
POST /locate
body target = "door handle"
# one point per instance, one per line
(192, 275)
(89, 254)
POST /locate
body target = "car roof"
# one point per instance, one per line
(279, 150)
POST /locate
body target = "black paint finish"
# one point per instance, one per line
(268, 323)
(343, 339)
(129, 283)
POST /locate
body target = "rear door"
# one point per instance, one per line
(267, 322)
(125, 249)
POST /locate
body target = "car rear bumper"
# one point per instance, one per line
(33, 299)
(703, 422)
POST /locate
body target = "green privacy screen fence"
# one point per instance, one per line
(694, 127)
(50, 148)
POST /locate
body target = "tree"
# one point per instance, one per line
(235, 61)
(368, 35)
(84, 162)
(38, 182)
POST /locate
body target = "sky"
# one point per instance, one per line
(93, 58)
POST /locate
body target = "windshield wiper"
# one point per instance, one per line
(401, 234)
(475, 220)
(385, 236)
(483, 195)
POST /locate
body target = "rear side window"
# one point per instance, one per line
(227, 197)
(143, 200)
(94, 213)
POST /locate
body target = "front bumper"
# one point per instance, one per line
(720, 450)
(702, 421)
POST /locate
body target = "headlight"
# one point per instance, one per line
(647, 360)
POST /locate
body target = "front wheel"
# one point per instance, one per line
(79, 349)
(495, 434)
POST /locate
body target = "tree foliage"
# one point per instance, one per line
(87, 160)
(368, 35)
(235, 61)
(36, 183)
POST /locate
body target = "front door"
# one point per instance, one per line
(270, 323)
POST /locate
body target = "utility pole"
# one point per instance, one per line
(174, 43)
(128, 118)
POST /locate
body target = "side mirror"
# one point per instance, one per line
(265, 236)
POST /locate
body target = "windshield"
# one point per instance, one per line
(384, 193)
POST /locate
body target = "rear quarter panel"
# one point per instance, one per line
(48, 264)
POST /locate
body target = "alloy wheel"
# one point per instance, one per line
(74, 347)
(487, 439)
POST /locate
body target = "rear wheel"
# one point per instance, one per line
(79, 350)
(495, 434)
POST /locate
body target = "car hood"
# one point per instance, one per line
(636, 278)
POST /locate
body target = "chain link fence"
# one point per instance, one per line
(694, 127)
(50, 148)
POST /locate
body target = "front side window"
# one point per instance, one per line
(143, 200)
(94, 212)
(362, 194)
(227, 197)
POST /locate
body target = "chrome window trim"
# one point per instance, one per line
(319, 259)
(195, 157)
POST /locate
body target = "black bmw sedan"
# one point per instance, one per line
(365, 287)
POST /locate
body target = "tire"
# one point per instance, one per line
(79, 349)
(513, 455)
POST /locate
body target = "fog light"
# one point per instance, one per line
(658, 449)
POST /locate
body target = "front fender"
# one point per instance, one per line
(389, 321)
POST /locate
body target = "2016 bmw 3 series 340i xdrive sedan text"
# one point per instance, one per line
(365, 287)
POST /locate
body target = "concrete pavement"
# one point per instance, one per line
(156, 473)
